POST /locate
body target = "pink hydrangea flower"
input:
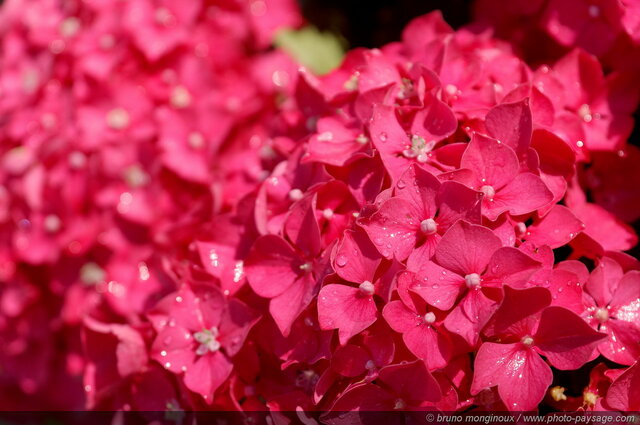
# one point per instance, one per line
(527, 330)
(198, 333)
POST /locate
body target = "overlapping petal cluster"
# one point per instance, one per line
(438, 224)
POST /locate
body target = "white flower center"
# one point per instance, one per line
(180, 97)
(400, 404)
(428, 226)
(118, 119)
(590, 398)
(472, 280)
(163, 16)
(91, 274)
(208, 341)
(528, 341)
(69, 27)
(602, 314)
(52, 223)
(327, 136)
(585, 113)
(362, 139)
(488, 191)
(135, 176)
(327, 213)
(306, 267)
(419, 149)
(77, 160)
(196, 140)
(451, 89)
(353, 82)
(295, 194)
(367, 288)
(429, 318)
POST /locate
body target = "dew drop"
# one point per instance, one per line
(341, 260)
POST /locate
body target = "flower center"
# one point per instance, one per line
(353, 82)
(590, 398)
(428, 226)
(527, 341)
(208, 341)
(135, 176)
(163, 16)
(307, 380)
(451, 89)
(306, 267)
(367, 288)
(196, 140)
(400, 404)
(77, 160)
(180, 97)
(585, 113)
(429, 318)
(520, 228)
(118, 119)
(327, 213)
(91, 274)
(488, 191)
(557, 393)
(472, 280)
(295, 194)
(327, 136)
(602, 314)
(362, 139)
(419, 149)
(69, 27)
(52, 223)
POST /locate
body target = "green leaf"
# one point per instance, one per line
(321, 52)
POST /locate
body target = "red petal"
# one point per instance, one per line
(356, 259)
(393, 228)
(522, 195)
(565, 339)
(466, 248)
(350, 360)
(624, 392)
(490, 160)
(207, 374)
(438, 286)
(555, 229)
(518, 313)
(345, 308)
(286, 307)
(270, 266)
(521, 375)
(511, 124)
(411, 382)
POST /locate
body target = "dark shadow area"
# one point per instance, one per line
(374, 23)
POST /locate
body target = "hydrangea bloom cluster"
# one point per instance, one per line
(120, 123)
(437, 224)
